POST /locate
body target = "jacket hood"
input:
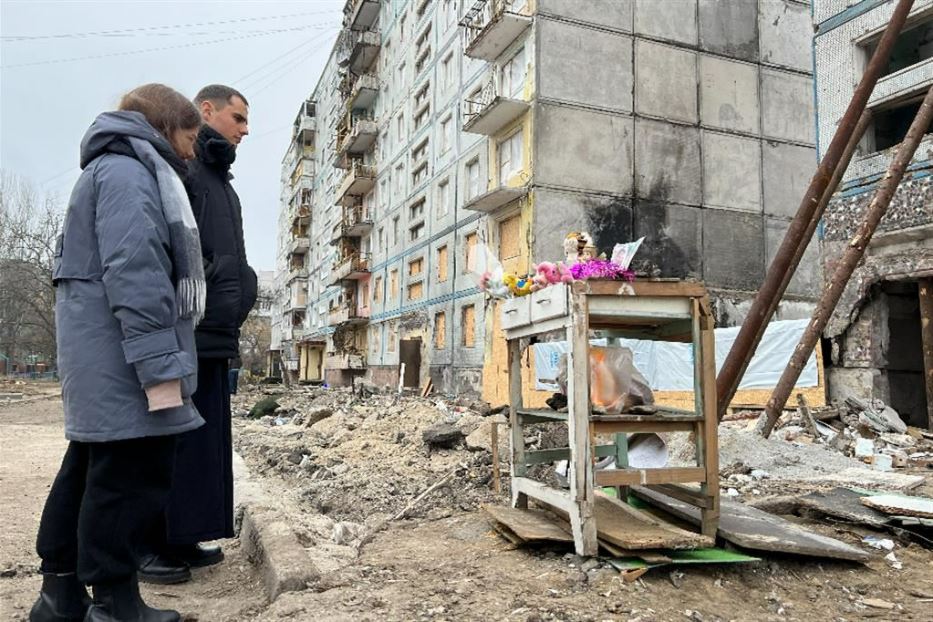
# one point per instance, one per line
(109, 131)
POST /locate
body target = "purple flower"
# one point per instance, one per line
(600, 269)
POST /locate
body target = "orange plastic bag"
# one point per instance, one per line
(616, 385)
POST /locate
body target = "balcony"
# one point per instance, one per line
(305, 123)
(359, 139)
(359, 180)
(494, 199)
(296, 274)
(350, 268)
(362, 14)
(364, 50)
(363, 92)
(348, 314)
(297, 303)
(490, 111)
(300, 245)
(302, 219)
(334, 360)
(356, 223)
(492, 25)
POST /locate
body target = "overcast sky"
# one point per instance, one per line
(272, 51)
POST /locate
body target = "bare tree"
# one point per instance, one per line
(29, 227)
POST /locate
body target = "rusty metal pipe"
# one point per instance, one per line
(774, 284)
(850, 259)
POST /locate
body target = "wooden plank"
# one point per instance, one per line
(507, 533)
(516, 434)
(693, 496)
(529, 525)
(613, 427)
(901, 505)
(661, 414)
(629, 528)
(754, 529)
(844, 504)
(926, 335)
(544, 456)
(709, 431)
(578, 407)
(536, 490)
(676, 288)
(538, 328)
(667, 475)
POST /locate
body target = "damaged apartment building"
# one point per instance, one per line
(440, 128)
(873, 345)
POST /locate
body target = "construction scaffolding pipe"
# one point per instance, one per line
(796, 239)
(852, 255)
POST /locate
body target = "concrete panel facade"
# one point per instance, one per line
(667, 162)
(732, 172)
(729, 95)
(729, 28)
(787, 106)
(782, 27)
(787, 173)
(673, 245)
(671, 21)
(568, 73)
(666, 81)
(616, 15)
(733, 249)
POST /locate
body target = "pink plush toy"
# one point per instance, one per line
(548, 273)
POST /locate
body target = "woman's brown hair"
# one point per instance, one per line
(165, 109)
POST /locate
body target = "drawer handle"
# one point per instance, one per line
(511, 310)
(542, 301)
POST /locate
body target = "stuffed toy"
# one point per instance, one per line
(492, 283)
(519, 286)
(548, 273)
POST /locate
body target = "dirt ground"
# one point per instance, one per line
(445, 563)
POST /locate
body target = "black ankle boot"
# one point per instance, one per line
(121, 602)
(63, 599)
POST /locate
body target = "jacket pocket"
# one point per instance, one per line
(223, 293)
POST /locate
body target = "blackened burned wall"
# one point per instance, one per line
(688, 123)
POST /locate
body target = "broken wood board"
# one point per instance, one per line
(756, 530)
(844, 504)
(630, 528)
(901, 505)
(529, 525)
(696, 556)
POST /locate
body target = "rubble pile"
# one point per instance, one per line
(355, 454)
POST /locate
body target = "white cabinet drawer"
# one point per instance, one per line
(549, 302)
(516, 312)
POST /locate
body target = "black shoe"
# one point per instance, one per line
(121, 602)
(197, 555)
(163, 570)
(63, 599)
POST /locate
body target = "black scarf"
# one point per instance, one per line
(215, 150)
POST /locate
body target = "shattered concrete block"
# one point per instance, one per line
(442, 435)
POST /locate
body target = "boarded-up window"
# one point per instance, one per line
(393, 284)
(377, 290)
(442, 264)
(468, 326)
(510, 243)
(415, 290)
(470, 252)
(376, 338)
(440, 330)
(391, 337)
(415, 267)
(364, 293)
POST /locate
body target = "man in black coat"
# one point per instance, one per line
(201, 503)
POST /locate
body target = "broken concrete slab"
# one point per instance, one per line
(844, 504)
(900, 505)
(273, 546)
(444, 435)
(753, 529)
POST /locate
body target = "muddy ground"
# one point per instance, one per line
(341, 479)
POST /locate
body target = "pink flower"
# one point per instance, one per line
(600, 269)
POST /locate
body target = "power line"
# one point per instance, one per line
(288, 70)
(144, 51)
(287, 65)
(78, 35)
(263, 66)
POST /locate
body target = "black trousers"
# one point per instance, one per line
(200, 505)
(103, 505)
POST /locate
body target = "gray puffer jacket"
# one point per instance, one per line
(118, 328)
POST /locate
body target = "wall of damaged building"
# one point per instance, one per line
(691, 124)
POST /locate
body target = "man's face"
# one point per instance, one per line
(230, 121)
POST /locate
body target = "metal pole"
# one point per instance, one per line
(926, 331)
(784, 262)
(850, 259)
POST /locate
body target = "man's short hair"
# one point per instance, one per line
(219, 94)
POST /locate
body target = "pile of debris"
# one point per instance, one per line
(356, 454)
(867, 430)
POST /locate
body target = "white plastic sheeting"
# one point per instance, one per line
(668, 366)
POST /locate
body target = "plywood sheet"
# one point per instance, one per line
(901, 505)
(754, 529)
(529, 525)
(630, 528)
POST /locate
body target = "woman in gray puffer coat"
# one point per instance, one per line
(130, 289)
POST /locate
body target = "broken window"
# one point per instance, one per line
(391, 337)
(510, 157)
(440, 330)
(468, 324)
(473, 187)
(442, 264)
(890, 125)
(393, 284)
(416, 210)
(416, 232)
(377, 290)
(415, 290)
(914, 45)
(415, 267)
(443, 198)
(509, 243)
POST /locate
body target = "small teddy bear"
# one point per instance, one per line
(547, 273)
